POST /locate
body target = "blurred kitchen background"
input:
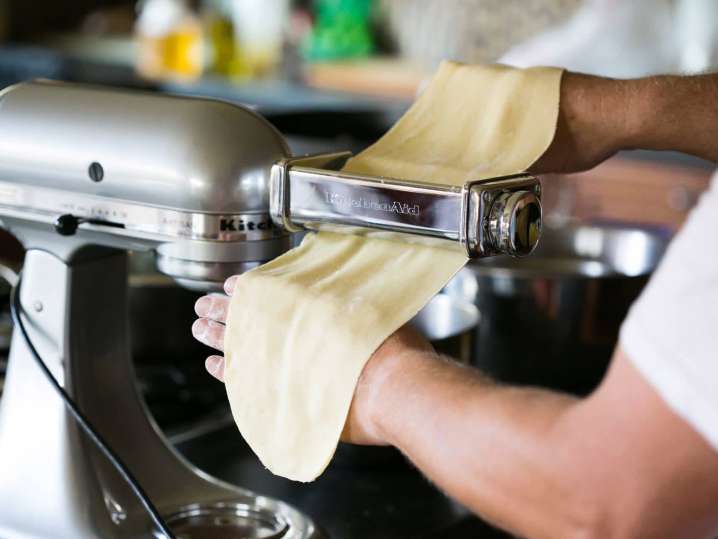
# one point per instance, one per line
(335, 75)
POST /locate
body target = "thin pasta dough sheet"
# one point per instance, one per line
(301, 327)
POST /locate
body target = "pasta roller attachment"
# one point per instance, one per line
(484, 217)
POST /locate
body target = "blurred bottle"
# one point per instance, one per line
(259, 27)
(342, 30)
(169, 38)
(219, 33)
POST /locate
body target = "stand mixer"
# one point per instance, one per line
(88, 174)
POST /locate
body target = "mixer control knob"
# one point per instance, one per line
(66, 225)
(515, 222)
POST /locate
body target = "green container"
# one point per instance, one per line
(342, 30)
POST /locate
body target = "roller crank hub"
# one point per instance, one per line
(515, 222)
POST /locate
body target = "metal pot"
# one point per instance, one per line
(552, 319)
(450, 324)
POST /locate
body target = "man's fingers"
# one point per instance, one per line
(209, 332)
(215, 366)
(229, 284)
(209, 329)
(214, 307)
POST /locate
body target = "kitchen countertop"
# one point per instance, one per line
(365, 492)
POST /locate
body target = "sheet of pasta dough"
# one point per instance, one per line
(301, 327)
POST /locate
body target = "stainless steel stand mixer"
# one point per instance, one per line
(88, 174)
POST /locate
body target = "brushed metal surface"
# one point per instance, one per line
(483, 217)
(185, 153)
(53, 483)
(183, 177)
(186, 177)
(552, 319)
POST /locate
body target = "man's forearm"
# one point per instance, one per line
(540, 464)
(599, 117)
(674, 113)
(485, 444)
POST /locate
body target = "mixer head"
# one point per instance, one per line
(186, 177)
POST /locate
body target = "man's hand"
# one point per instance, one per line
(209, 328)
(360, 427)
(594, 123)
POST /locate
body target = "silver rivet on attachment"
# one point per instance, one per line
(37, 306)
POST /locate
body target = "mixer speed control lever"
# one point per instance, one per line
(67, 224)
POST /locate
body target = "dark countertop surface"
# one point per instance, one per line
(365, 492)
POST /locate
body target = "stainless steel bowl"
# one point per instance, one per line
(552, 319)
(229, 521)
(450, 324)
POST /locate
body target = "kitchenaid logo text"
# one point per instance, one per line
(243, 225)
(341, 201)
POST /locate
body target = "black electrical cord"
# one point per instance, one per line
(96, 437)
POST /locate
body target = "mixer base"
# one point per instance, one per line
(53, 482)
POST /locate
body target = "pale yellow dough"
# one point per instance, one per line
(301, 327)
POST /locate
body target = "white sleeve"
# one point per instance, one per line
(671, 332)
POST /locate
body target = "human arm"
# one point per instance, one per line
(619, 463)
(599, 117)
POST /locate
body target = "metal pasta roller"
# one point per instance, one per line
(484, 217)
(88, 174)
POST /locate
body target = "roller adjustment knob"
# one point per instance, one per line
(515, 222)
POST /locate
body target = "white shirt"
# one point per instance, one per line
(671, 332)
